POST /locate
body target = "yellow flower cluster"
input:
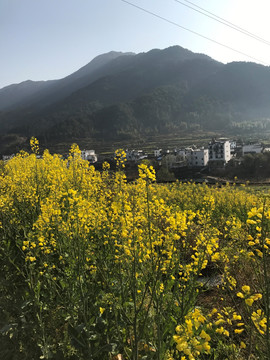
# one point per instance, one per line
(137, 257)
(259, 320)
(249, 299)
(259, 242)
(192, 338)
(227, 319)
(120, 158)
(34, 144)
(147, 173)
(195, 336)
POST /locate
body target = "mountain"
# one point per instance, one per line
(15, 94)
(108, 79)
(125, 95)
(40, 94)
(238, 83)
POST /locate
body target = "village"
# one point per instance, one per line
(191, 162)
(217, 153)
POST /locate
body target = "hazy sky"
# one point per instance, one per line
(49, 39)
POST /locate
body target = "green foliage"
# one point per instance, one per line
(252, 166)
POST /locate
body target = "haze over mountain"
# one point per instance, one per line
(124, 95)
(41, 93)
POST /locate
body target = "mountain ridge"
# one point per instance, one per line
(119, 95)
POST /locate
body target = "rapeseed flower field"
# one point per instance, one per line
(93, 267)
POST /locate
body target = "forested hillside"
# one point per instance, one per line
(123, 95)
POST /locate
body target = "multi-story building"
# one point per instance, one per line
(198, 157)
(194, 157)
(219, 151)
(185, 153)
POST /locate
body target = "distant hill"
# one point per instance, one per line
(41, 93)
(13, 95)
(124, 95)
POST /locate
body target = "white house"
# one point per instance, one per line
(252, 149)
(157, 153)
(184, 153)
(219, 150)
(198, 157)
(135, 155)
(193, 157)
(89, 155)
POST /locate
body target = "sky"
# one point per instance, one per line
(50, 39)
